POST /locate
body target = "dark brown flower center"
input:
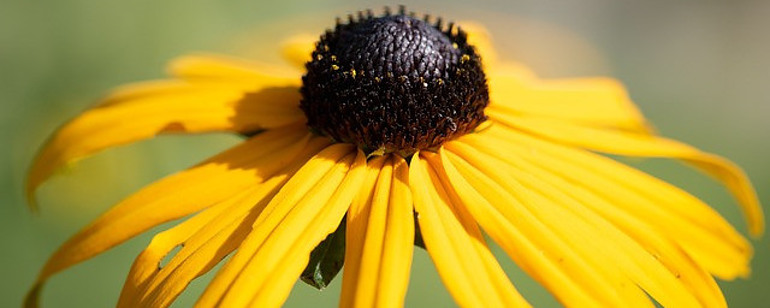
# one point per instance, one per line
(394, 83)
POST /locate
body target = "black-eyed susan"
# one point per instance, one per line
(395, 120)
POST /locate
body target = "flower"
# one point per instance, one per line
(395, 120)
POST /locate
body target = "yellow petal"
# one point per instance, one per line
(146, 110)
(262, 107)
(589, 233)
(380, 238)
(705, 235)
(654, 241)
(149, 89)
(355, 233)
(543, 255)
(454, 242)
(298, 49)
(301, 215)
(600, 102)
(220, 68)
(147, 264)
(181, 194)
(205, 239)
(631, 144)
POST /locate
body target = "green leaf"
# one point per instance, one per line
(326, 259)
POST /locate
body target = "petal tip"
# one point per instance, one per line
(757, 229)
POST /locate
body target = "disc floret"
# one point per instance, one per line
(394, 83)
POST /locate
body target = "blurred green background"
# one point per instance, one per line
(700, 70)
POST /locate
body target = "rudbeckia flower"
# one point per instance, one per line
(397, 133)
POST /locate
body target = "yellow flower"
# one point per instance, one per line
(392, 122)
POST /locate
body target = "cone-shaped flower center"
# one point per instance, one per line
(394, 84)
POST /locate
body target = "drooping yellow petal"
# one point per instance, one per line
(565, 270)
(108, 126)
(379, 238)
(355, 233)
(298, 49)
(599, 102)
(301, 215)
(631, 144)
(454, 242)
(570, 233)
(166, 88)
(697, 228)
(260, 106)
(148, 263)
(162, 107)
(270, 93)
(220, 68)
(180, 194)
(589, 233)
(205, 240)
(648, 236)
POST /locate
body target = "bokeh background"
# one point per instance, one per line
(700, 70)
